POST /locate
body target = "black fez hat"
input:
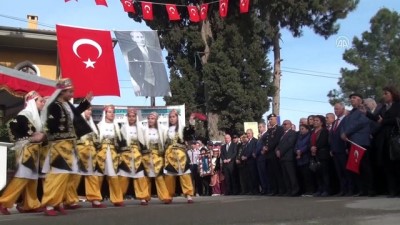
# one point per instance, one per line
(271, 115)
(356, 94)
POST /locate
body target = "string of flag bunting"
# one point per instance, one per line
(196, 14)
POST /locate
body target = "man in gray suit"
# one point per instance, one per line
(228, 156)
(285, 153)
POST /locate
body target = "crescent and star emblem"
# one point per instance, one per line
(172, 10)
(147, 8)
(127, 3)
(356, 155)
(202, 10)
(193, 11)
(243, 2)
(223, 6)
(84, 41)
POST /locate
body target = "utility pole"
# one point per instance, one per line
(152, 101)
(277, 73)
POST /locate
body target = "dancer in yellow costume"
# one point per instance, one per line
(26, 131)
(63, 125)
(131, 166)
(153, 156)
(176, 159)
(86, 147)
(107, 156)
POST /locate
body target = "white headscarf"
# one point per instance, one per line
(32, 112)
(103, 121)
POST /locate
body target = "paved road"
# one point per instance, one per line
(231, 210)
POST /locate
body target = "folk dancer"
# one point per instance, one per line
(86, 147)
(107, 155)
(26, 131)
(131, 166)
(153, 156)
(63, 125)
(176, 158)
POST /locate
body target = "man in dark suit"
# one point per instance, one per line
(274, 134)
(339, 152)
(261, 160)
(251, 162)
(285, 153)
(228, 156)
(147, 68)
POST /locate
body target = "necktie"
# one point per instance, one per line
(227, 147)
(336, 124)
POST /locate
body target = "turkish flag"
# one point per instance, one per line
(87, 57)
(128, 6)
(101, 2)
(203, 11)
(193, 14)
(147, 10)
(355, 156)
(223, 8)
(173, 13)
(244, 6)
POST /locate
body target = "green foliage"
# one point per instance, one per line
(236, 80)
(376, 58)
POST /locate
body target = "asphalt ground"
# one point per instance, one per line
(231, 210)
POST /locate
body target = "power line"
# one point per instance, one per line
(26, 20)
(305, 100)
(313, 71)
(309, 74)
(295, 110)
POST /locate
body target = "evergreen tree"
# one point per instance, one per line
(376, 58)
(232, 83)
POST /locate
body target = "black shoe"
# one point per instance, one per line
(360, 194)
(340, 194)
(324, 194)
(317, 194)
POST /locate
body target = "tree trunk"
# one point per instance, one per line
(277, 73)
(213, 132)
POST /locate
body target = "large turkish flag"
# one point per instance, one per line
(87, 57)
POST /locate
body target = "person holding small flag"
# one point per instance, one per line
(356, 131)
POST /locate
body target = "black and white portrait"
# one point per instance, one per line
(142, 54)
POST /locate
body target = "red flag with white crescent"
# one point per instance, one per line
(223, 8)
(173, 13)
(128, 6)
(355, 156)
(87, 57)
(244, 6)
(101, 2)
(193, 14)
(203, 11)
(147, 10)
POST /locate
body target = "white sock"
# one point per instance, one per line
(49, 208)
